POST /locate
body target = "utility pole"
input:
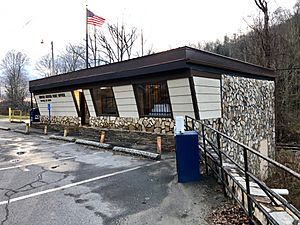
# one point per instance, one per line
(52, 58)
(142, 42)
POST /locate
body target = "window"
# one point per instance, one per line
(41, 97)
(153, 99)
(104, 101)
(61, 95)
(48, 96)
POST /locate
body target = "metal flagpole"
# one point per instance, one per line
(86, 39)
(95, 56)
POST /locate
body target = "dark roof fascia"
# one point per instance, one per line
(213, 60)
(157, 77)
(209, 71)
(131, 64)
(96, 78)
(180, 58)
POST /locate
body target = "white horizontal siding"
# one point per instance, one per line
(207, 90)
(126, 108)
(180, 82)
(183, 107)
(181, 100)
(89, 102)
(125, 101)
(124, 88)
(210, 106)
(124, 94)
(179, 91)
(208, 94)
(180, 97)
(210, 114)
(60, 106)
(210, 98)
(202, 81)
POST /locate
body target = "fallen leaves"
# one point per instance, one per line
(229, 214)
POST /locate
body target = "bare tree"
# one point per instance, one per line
(71, 59)
(15, 78)
(43, 66)
(115, 44)
(118, 44)
(274, 40)
(265, 37)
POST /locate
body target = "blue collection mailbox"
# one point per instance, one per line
(187, 157)
(34, 115)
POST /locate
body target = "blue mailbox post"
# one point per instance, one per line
(187, 157)
(49, 112)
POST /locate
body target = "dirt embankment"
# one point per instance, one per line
(281, 179)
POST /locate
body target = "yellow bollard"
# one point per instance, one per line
(45, 129)
(66, 132)
(27, 128)
(102, 136)
(9, 114)
(158, 144)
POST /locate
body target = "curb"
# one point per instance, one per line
(137, 152)
(93, 143)
(130, 151)
(21, 131)
(61, 138)
(5, 128)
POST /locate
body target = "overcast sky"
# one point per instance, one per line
(166, 23)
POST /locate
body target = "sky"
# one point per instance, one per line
(166, 24)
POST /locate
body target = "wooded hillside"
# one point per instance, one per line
(278, 49)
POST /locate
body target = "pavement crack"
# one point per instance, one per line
(10, 192)
(8, 195)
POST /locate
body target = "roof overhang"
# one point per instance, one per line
(180, 59)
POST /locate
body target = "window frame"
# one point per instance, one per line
(95, 105)
(135, 90)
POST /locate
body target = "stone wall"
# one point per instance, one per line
(148, 124)
(63, 120)
(249, 117)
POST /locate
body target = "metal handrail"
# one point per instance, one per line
(217, 149)
(275, 163)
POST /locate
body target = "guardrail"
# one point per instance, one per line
(15, 115)
(208, 146)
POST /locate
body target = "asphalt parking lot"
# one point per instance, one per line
(45, 181)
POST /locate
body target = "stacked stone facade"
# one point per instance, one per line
(62, 120)
(147, 124)
(249, 117)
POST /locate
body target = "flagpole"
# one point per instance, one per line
(95, 56)
(86, 39)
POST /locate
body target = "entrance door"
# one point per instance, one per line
(81, 106)
(84, 111)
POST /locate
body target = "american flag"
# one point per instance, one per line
(94, 19)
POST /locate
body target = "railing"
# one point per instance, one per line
(15, 115)
(209, 147)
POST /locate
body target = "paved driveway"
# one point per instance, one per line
(45, 181)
